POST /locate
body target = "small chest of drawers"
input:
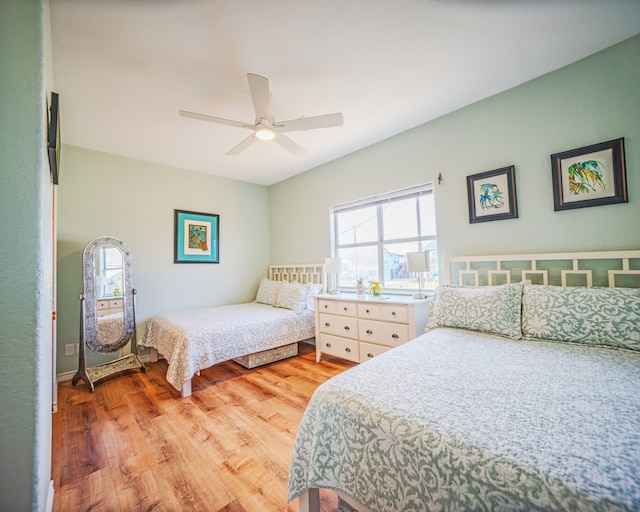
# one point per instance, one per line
(107, 307)
(358, 329)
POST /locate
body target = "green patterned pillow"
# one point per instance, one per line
(492, 309)
(595, 316)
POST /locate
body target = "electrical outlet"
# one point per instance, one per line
(69, 349)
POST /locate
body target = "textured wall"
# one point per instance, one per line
(25, 256)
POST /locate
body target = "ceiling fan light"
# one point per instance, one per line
(265, 133)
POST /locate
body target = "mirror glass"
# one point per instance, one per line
(110, 292)
(108, 295)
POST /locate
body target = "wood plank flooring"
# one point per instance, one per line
(136, 445)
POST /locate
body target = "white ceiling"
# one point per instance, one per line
(123, 69)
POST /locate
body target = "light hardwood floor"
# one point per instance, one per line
(136, 445)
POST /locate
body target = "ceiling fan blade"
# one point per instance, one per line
(289, 145)
(242, 145)
(310, 123)
(259, 87)
(212, 119)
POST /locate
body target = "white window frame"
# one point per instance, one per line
(380, 201)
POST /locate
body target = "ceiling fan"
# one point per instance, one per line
(265, 127)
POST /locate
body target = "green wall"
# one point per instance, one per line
(594, 100)
(103, 194)
(26, 256)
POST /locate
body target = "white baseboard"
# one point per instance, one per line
(49, 505)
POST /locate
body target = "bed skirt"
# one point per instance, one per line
(268, 356)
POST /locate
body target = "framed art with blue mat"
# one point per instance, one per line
(196, 237)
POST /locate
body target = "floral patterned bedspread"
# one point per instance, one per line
(197, 339)
(456, 420)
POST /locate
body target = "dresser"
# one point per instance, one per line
(108, 307)
(358, 329)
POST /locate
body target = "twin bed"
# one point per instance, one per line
(519, 397)
(252, 334)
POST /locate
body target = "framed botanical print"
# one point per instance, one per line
(196, 237)
(589, 176)
(492, 195)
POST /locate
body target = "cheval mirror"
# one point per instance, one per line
(107, 309)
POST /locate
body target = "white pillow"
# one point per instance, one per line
(314, 289)
(292, 296)
(268, 291)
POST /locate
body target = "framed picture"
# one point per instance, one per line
(492, 195)
(53, 138)
(197, 237)
(589, 176)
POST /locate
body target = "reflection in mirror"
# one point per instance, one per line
(110, 293)
(108, 269)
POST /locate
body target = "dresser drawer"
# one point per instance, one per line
(102, 304)
(339, 325)
(395, 313)
(388, 334)
(339, 347)
(369, 351)
(337, 307)
(373, 311)
(116, 304)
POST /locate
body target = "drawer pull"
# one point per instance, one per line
(347, 328)
(369, 331)
(369, 355)
(395, 336)
(345, 308)
(347, 349)
(393, 313)
(367, 311)
(326, 306)
(328, 345)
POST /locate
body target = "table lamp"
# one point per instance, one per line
(418, 262)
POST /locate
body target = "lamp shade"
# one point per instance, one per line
(332, 265)
(417, 261)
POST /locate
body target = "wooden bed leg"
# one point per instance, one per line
(186, 389)
(309, 501)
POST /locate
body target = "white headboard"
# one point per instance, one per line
(609, 268)
(298, 273)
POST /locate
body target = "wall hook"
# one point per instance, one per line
(439, 178)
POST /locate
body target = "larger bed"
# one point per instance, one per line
(252, 333)
(520, 397)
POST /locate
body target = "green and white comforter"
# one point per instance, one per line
(457, 420)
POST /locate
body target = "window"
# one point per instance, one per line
(373, 236)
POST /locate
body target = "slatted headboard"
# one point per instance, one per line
(609, 268)
(298, 273)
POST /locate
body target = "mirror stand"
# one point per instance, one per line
(107, 309)
(94, 373)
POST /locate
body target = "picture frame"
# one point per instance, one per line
(196, 237)
(593, 175)
(492, 195)
(53, 138)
